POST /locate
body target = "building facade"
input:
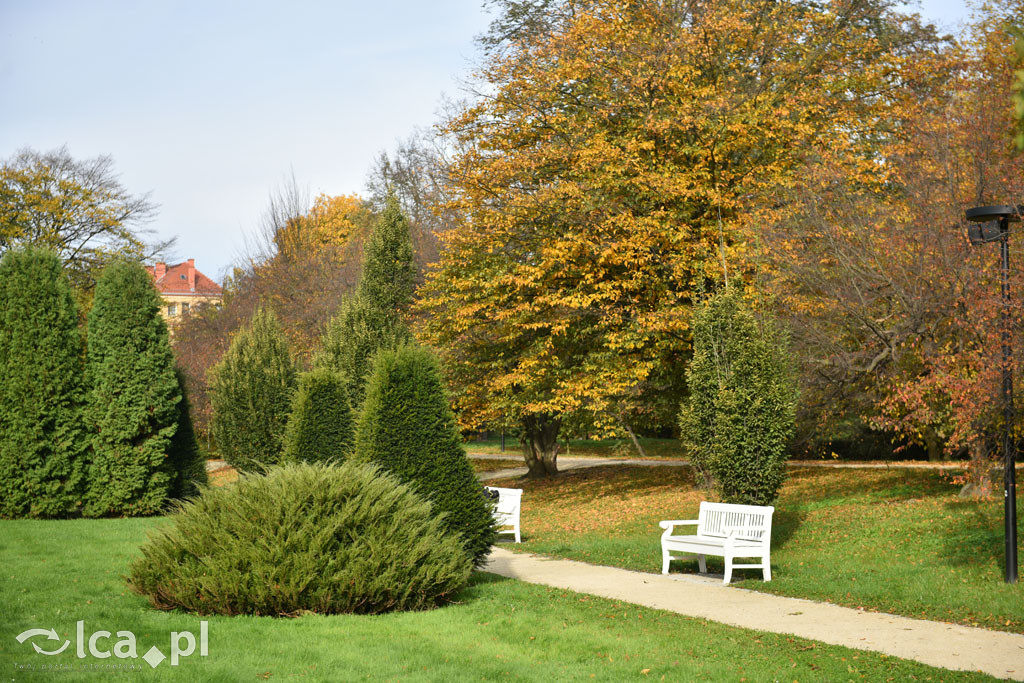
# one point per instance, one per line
(184, 289)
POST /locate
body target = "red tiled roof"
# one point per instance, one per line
(182, 278)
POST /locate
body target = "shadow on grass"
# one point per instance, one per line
(975, 535)
(785, 523)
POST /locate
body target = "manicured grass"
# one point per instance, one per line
(668, 449)
(898, 541)
(56, 573)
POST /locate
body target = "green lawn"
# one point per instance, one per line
(897, 541)
(668, 449)
(56, 573)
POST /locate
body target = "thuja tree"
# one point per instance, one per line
(250, 394)
(132, 406)
(408, 429)
(320, 427)
(372, 319)
(352, 339)
(740, 414)
(389, 273)
(42, 442)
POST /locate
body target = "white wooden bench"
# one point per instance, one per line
(506, 512)
(723, 530)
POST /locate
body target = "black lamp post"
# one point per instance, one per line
(992, 223)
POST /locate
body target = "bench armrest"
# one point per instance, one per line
(669, 523)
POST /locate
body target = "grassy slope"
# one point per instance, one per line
(894, 541)
(58, 572)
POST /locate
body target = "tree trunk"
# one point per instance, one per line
(983, 477)
(934, 445)
(540, 444)
(636, 442)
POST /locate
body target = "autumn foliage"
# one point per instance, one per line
(622, 161)
(896, 318)
(610, 179)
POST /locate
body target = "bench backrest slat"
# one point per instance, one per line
(751, 522)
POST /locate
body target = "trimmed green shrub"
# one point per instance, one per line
(323, 538)
(250, 394)
(132, 406)
(320, 427)
(389, 274)
(187, 461)
(371, 319)
(42, 438)
(740, 415)
(408, 428)
(353, 337)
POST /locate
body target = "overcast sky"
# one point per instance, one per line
(211, 105)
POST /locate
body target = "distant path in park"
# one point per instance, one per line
(948, 646)
(573, 462)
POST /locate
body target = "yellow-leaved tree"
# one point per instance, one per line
(78, 209)
(600, 182)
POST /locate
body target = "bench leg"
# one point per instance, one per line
(517, 534)
(728, 570)
(766, 568)
(702, 563)
(665, 559)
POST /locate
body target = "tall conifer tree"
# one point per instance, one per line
(250, 392)
(389, 274)
(42, 441)
(132, 406)
(372, 319)
(408, 428)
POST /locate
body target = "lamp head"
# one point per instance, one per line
(982, 214)
(983, 233)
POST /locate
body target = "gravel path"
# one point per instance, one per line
(572, 462)
(948, 646)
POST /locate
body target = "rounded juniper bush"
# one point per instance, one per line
(304, 537)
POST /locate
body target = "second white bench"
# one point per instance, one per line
(506, 512)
